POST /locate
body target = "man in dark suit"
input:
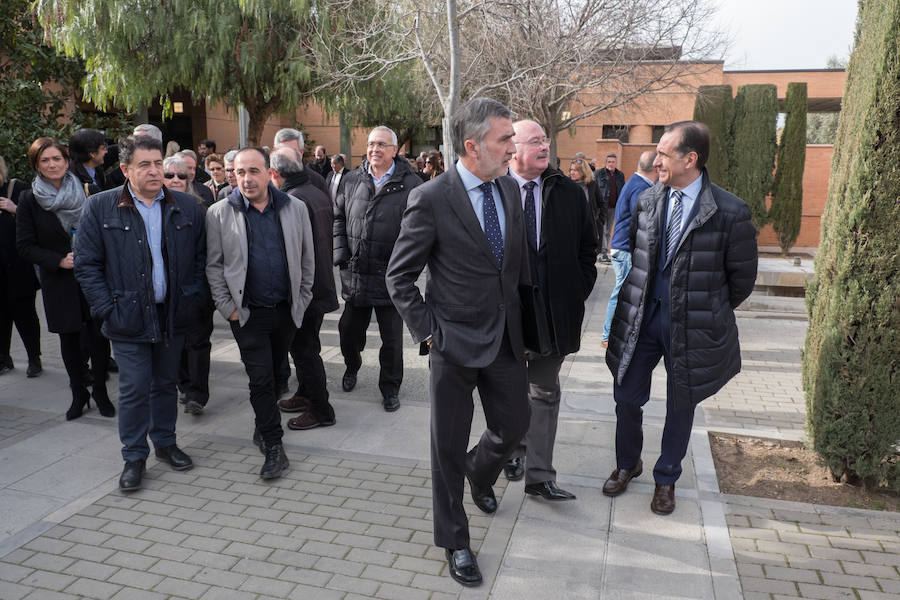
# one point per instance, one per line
(562, 250)
(694, 261)
(467, 227)
(334, 178)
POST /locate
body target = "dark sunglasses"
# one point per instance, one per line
(181, 176)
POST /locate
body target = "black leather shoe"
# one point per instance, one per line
(34, 368)
(175, 457)
(348, 382)
(132, 475)
(390, 402)
(483, 497)
(276, 462)
(548, 491)
(463, 567)
(663, 502)
(6, 364)
(258, 440)
(618, 480)
(514, 470)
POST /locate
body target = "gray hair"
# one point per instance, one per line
(287, 134)
(472, 120)
(229, 156)
(286, 162)
(338, 158)
(148, 129)
(174, 162)
(645, 166)
(189, 153)
(387, 129)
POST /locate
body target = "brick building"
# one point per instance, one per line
(626, 131)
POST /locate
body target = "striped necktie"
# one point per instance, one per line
(673, 234)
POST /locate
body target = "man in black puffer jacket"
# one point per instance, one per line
(367, 214)
(694, 261)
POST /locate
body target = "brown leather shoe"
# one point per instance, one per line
(618, 480)
(663, 502)
(295, 403)
(307, 421)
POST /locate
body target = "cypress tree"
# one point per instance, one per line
(851, 366)
(714, 106)
(788, 190)
(753, 156)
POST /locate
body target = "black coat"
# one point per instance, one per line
(597, 205)
(81, 173)
(565, 268)
(114, 267)
(713, 271)
(601, 176)
(41, 240)
(321, 218)
(17, 277)
(366, 226)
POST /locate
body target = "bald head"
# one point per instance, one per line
(645, 164)
(532, 155)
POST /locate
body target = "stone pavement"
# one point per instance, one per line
(352, 519)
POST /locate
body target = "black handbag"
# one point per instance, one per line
(535, 327)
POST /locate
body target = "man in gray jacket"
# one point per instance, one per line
(260, 266)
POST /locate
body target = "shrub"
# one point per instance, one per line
(753, 156)
(714, 106)
(851, 366)
(788, 202)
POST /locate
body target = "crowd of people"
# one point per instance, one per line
(136, 246)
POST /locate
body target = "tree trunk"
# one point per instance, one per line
(259, 114)
(452, 101)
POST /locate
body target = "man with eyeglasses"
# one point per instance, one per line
(230, 179)
(562, 251)
(367, 213)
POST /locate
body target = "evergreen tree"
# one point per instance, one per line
(851, 366)
(714, 106)
(753, 155)
(788, 190)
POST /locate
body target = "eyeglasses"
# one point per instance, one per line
(181, 176)
(544, 141)
(379, 145)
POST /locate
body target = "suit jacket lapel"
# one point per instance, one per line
(458, 200)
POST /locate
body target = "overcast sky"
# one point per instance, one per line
(786, 34)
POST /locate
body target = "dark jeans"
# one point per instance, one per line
(263, 340)
(633, 394)
(21, 312)
(148, 399)
(193, 370)
(70, 345)
(352, 329)
(306, 351)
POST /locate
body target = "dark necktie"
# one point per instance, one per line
(673, 234)
(492, 223)
(531, 215)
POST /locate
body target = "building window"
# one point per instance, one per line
(616, 132)
(658, 131)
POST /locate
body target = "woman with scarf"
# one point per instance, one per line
(46, 221)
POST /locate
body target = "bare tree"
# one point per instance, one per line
(556, 62)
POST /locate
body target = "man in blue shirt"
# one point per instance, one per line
(139, 258)
(620, 247)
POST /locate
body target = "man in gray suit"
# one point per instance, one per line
(467, 227)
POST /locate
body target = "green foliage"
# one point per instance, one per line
(30, 106)
(821, 128)
(251, 52)
(788, 189)
(851, 366)
(753, 131)
(715, 107)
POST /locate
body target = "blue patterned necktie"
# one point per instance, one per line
(673, 236)
(492, 223)
(531, 214)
